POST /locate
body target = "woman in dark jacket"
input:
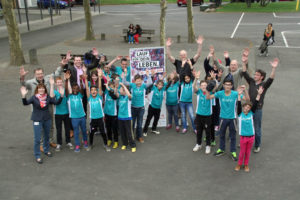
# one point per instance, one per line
(40, 116)
(138, 33)
(267, 40)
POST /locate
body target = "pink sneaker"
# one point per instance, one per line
(184, 130)
(169, 126)
(177, 128)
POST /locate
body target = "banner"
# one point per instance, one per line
(142, 59)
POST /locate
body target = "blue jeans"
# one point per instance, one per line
(232, 132)
(37, 129)
(76, 123)
(130, 38)
(172, 112)
(184, 106)
(257, 117)
(137, 115)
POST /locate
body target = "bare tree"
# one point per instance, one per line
(191, 32)
(89, 34)
(163, 8)
(15, 44)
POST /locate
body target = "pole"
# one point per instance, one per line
(297, 6)
(99, 6)
(41, 10)
(26, 12)
(19, 14)
(70, 11)
(51, 14)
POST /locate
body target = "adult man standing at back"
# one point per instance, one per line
(182, 65)
(254, 84)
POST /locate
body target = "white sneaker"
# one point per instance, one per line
(107, 148)
(197, 148)
(256, 149)
(207, 150)
(155, 132)
(145, 134)
(70, 145)
(58, 147)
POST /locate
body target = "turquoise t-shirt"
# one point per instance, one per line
(110, 106)
(186, 94)
(119, 71)
(156, 97)
(138, 95)
(62, 108)
(172, 94)
(227, 104)
(96, 111)
(246, 125)
(204, 106)
(75, 106)
(124, 108)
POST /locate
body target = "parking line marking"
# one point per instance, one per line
(237, 25)
(290, 47)
(264, 24)
(285, 16)
(284, 39)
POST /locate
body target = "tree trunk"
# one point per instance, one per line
(248, 2)
(89, 34)
(191, 33)
(163, 8)
(14, 38)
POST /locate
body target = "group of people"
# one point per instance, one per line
(116, 100)
(133, 33)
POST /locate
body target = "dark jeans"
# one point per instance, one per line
(257, 117)
(232, 133)
(95, 124)
(172, 112)
(216, 114)
(59, 119)
(203, 123)
(152, 112)
(112, 127)
(126, 132)
(76, 123)
(38, 129)
(137, 115)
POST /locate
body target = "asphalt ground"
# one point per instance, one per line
(164, 167)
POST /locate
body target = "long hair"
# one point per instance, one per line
(170, 81)
(40, 85)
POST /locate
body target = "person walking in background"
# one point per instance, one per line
(267, 40)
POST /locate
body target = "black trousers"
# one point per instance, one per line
(126, 133)
(152, 112)
(95, 124)
(111, 123)
(59, 119)
(203, 122)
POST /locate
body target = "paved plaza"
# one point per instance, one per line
(164, 167)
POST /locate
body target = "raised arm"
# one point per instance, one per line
(259, 93)
(199, 42)
(274, 65)
(195, 84)
(126, 90)
(168, 45)
(100, 75)
(114, 60)
(51, 81)
(87, 88)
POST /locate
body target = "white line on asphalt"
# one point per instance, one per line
(290, 47)
(292, 17)
(264, 24)
(284, 39)
(236, 27)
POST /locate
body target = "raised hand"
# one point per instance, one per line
(68, 55)
(23, 91)
(119, 57)
(100, 72)
(51, 80)
(260, 90)
(67, 75)
(23, 72)
(246, 52)
(200, 39)
(84, 69)
(197, 74)
(226, 54)
(274, 63)
(211, 49)
(61, 91)
(240, 90)
(169, 42)
(189, 62)
(64, 61)
(95, 51)
(127, 57)
(212, 74)
(245, 59)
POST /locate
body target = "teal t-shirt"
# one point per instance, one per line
(124, 108)
(227, 104)
(172, 94)
(156, 97)
(96, 111)
(75, 106)
(119, 71)
(246, 125)
(186, 94)
(204, 106)
(110, 106)
(138, 95)
(62, 108)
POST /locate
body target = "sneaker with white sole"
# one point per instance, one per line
(155, 132)
(184, 131)
(145, 134)
(256, 149)
(197, 147)
(207, 150)
(58, 147)
(107, 148)
(70, 145)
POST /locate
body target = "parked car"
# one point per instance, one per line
(46, 3)
(80, 2)
(183, 2)
(70, 2)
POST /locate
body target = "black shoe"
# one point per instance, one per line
(49, 154)
(39, 160)
(234, 156)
